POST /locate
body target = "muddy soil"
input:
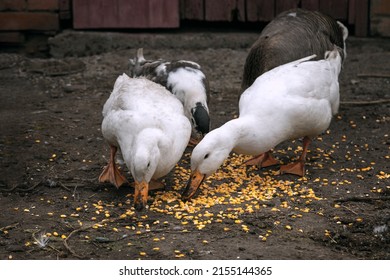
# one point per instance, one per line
(52, 152)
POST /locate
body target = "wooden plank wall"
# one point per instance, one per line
(260, 10)
(126, 14)
(168, 13)
(225, 10)
(283, 5)
(353, 12)
(361, 15)
(338, 9)
(192, 10)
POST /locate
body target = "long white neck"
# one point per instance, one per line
(244, 135)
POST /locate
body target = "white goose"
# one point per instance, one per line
(291, 35)
(297, 99)
(147, 123)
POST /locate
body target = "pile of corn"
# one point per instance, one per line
(234, 188)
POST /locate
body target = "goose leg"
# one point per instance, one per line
(298, 167)
(262, 160)
(153, 185)
(111, 172)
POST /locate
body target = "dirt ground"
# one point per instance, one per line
(52, 152)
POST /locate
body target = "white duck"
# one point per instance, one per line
(291, 35)
(297, 99)
(147, 123)
(186, 80)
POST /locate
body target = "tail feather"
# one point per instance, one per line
(334, 57)
(304, 59)
(344, 30)
(135, 63)
(140, 55)
(139, 66)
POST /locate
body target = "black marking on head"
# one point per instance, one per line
(141, 67)
(146, 68)
(201, 117)
(180, 64)
(169, 87)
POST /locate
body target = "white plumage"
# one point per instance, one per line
(186, 80)
(147, 123)
(297, 99)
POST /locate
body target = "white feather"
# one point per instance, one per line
(148, 124)
(290, 101)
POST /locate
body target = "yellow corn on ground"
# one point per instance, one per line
(235, 188)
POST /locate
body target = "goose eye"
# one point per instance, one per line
(148, 164)
(206, 156)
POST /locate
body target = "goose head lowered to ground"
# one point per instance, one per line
(293, 34)
(297, 99)
(147, 123)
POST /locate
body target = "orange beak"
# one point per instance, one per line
(140, 195)
(193, 184)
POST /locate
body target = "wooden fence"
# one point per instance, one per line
(90, 14)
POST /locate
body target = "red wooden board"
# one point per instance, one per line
(351, 11)
(90, 14)
(283, 5)
(260, 10)
(337, 9)
(125, 14)
(361, 19)
(224, 10)
(192, 9)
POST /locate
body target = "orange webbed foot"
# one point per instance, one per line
(111, 172)
(296, 168)
(262, 160)
(112, 175)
